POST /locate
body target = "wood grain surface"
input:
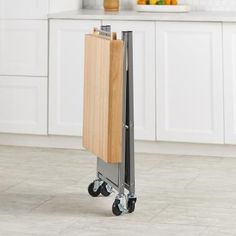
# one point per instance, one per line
(103, 94)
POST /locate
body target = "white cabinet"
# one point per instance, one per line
(189, 82)
(23, 102)
(66, 75)
(144, 75)
(229, 45)
(23, 47)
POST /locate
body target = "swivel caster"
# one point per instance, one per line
(131, 204)
(116, 208)
(120, 205)
(106, 190)
(94, 189)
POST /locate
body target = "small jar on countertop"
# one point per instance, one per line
(111, 5)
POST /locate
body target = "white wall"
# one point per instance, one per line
(220, 5)
(62, 5)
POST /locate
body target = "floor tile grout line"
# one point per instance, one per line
(12, 186)
(162, 210)
(191, 181)
(204, 231)
(67, 227)
(41, 204)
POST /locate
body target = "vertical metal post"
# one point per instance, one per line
(122, 166)
(127, 37)
(131, 115)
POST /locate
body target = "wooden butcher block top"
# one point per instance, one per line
(103, 97)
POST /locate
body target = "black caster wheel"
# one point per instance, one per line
(92, 192)
(104, 190)
(115, 208)
(131, 205)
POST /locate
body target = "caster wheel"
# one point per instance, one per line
(131, 205)
(104, 190)
(115, 208)
(92, 192)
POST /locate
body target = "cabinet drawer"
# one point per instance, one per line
(23, 102)
(23, 47)
(24, 9)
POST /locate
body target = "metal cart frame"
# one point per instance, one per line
(121, 177)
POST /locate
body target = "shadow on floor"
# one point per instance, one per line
(61, 204)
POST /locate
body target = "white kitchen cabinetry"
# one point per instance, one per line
(23, 47)
(35, 9)
(190, 82)
(229, 45)
(66, 75)
(23, 105)
(144, 74)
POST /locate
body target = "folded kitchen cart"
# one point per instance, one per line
(108, 129)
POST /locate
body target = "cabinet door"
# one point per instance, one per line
(189, 82)
(229, 32)
(66, 75)
(144, 74)
(23, 102)
(23, 47)
(24, 9)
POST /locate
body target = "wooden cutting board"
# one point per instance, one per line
(103, 97)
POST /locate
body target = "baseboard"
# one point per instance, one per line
(192, 149)
(140, 146)
(41, 141)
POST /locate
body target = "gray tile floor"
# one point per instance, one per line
(44, 192)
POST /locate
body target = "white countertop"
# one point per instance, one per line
(86, 14)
